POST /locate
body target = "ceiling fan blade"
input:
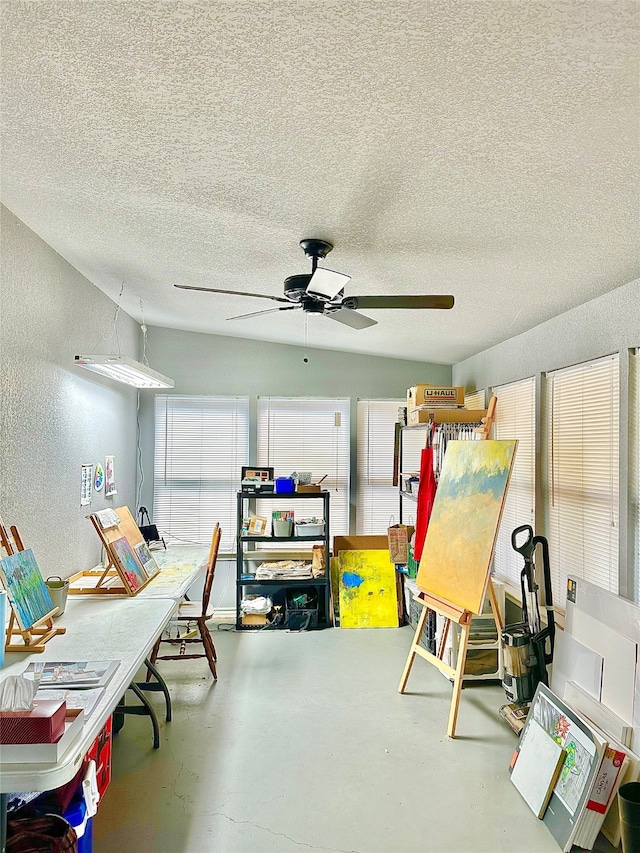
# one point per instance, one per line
(327, 283)
(232, 292)
(351, 318)
(398, 302)
(268, 311)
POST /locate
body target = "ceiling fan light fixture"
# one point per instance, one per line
(326, 283)
(123, 369)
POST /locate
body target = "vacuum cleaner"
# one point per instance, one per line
(528, 645)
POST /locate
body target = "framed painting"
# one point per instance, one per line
(26, 590)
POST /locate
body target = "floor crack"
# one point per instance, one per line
(284, 835)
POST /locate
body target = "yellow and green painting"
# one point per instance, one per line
(458, 548)
(368, 596)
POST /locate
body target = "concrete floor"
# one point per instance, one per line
(304, 743)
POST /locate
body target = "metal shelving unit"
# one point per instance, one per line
(245, 585)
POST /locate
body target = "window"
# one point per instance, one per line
(515, 419)
(201, 444)
(634, 465)
(475, 400)
(376, 497)
(308, 434)
(582, 404)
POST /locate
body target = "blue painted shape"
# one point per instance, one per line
(351, 580)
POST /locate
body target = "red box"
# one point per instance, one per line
(100, 752)
(44, 723)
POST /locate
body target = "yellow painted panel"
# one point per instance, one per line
(368, 597)
(458, 549)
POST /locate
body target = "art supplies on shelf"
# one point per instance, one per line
(72, 674)
(284, 570)
(257, 525)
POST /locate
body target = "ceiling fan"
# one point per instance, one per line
(322, 292)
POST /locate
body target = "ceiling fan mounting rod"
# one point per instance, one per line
(315, 249)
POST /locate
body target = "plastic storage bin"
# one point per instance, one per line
(284, 485)
(301, 610)
(76, 814)
(310, 529)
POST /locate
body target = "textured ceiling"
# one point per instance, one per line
(483, 149)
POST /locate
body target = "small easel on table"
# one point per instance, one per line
(112, 580)
(34, 636)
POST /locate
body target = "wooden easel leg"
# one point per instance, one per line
(465, 626)
(495, 607)
(412, 652)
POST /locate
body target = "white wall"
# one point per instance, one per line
(54, 416)
(212, 364)
(606, 325)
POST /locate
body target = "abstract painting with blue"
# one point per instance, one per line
(25, 588)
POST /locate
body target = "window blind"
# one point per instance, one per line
(634, 463)
(201, 444)
(515, 419)
(582, 404)
(475, 400)
(377, 499)
(308, 434)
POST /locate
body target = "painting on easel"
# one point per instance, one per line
(27, 592)
(464, 522)
(130, 567)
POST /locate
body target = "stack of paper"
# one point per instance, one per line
(284, 570)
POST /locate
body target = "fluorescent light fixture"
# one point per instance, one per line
(121, 368)
(327, 283)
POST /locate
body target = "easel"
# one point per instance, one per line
(460, 617)
(37, 635)
(451, 613)
(110, 580)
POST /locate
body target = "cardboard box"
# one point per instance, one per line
(308, 487)
(434, 395)
(44, 723)
(100, 752)
(254, 619)
(360, 543)
(417, 416)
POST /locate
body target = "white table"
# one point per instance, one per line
(97, 629)
(180, 566)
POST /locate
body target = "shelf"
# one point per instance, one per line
(270, 496)
(283, 582)
(319, 538)
(279, 588)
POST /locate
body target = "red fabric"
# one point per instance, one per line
(426, 496)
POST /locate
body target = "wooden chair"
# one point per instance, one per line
(198, 613)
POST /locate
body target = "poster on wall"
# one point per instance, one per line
(109, 476)
(86, 485)
(98, 482)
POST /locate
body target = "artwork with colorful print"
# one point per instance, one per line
(580, 750)
(26, 589)
(368, 597)
(130, 567)
(464, 522)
